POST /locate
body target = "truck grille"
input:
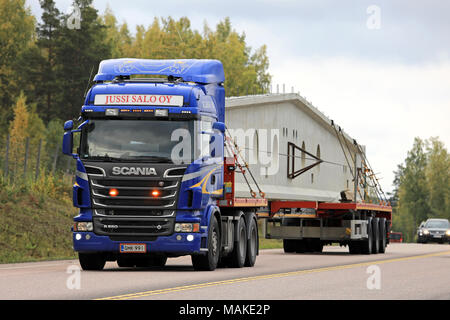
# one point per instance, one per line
(134, 193)
(134, 211)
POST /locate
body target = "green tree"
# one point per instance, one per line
(117, 36)
(16, 34)
(438, 178)
(78, 52)
(167, 38)
(48, 39)
(37, 133)
(53, 138)
(413, 194)
(18, 136)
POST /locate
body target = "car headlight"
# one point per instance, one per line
(447, 233)
(425, 231)
(187, 227)
(83, 226)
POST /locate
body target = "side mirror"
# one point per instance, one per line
(67, 144)
(68, 125)
(219, 126)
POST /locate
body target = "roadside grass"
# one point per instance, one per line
(35, 221)
(268, 243)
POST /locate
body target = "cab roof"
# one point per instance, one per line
(190, 70)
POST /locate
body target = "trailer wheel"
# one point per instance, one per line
(366, 245)
(383, 240)
(91, 261)
(376, 235)
(208, 262)
(301, 246)
(239, 253)
(317, 246)
(354, 247)
(252, 244)
(289, 246)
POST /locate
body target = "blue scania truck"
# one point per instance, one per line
(150, 169)
(153, 180)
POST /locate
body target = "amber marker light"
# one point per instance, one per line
(113, 192)
(155, 193)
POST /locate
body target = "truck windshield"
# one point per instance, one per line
(136, 140)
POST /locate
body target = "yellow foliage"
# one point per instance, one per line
(18, 135)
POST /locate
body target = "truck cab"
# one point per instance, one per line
(150, 163)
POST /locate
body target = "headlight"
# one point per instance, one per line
(425, 231)
(111, 112)
(447, 233)
(187, 227)
(83, 226)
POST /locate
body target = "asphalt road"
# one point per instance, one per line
(405, 271)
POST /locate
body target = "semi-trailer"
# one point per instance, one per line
(160, 175)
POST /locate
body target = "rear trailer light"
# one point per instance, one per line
(83, 226)
(187, 227)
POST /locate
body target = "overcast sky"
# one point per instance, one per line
(380, 69)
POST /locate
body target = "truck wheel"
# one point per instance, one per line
(383, 240)
(289, 246)
(91, 261)
(240, 246)
(252, 244)
(208, 262)
(366, 245)
(376, 235)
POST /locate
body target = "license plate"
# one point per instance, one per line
(437, 236)
(133, 248)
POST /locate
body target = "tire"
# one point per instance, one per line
(239, 253)
(301, 246)
(382, 235)
(92, 261)
(366, 245)
(252, 244)
(376, 235)
(354, 247)
(209, 261)
(317, 246)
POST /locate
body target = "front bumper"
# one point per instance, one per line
(432, 238)
(90, 242)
